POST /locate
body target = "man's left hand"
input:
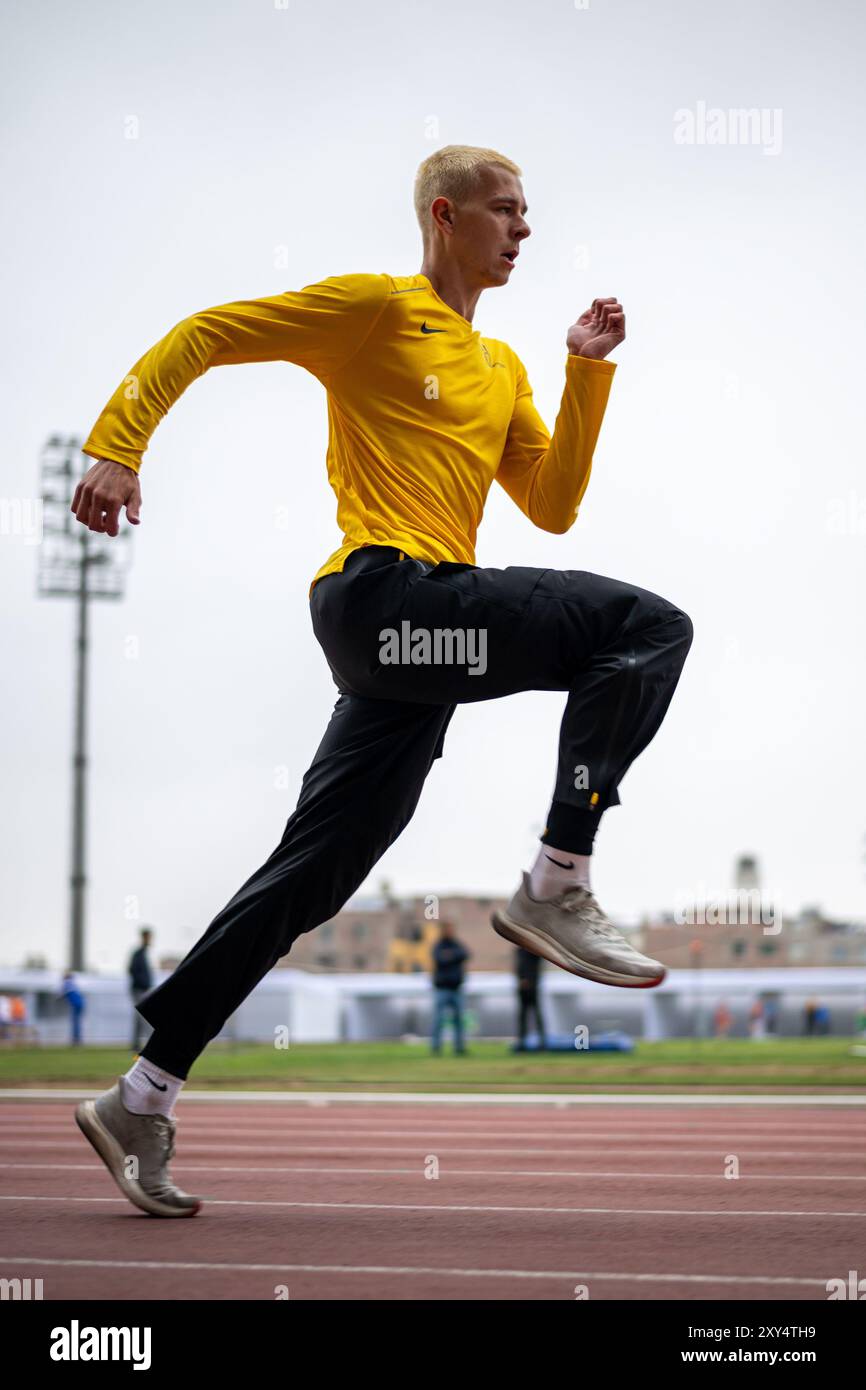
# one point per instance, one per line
(598, 331)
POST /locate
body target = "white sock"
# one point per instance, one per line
(555, 870)
(147, 1090)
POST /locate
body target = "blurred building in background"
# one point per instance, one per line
(385, 933)
(741, 927)
(810, 938)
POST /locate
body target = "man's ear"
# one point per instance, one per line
(442, 214)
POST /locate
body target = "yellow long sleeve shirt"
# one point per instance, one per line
(423, 412)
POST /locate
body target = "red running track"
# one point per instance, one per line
(437, 1201)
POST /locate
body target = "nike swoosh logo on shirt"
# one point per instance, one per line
(425, 329)
(164, 1086)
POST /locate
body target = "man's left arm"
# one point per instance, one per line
(547, 476)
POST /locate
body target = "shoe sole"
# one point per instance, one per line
(103, 1141)
(540, 944)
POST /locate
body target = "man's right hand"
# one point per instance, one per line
(104, 489)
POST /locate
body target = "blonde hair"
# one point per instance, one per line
(452, 172)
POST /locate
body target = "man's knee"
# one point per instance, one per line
(677, 633)
(682, 628)
(671, 623)
(664, 632)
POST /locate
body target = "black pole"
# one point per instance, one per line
(78, 879)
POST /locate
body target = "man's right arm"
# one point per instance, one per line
(320, 328)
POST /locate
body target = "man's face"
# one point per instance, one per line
(489, 227)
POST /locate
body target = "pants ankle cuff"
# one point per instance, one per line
(571, 828)
(166, 1055)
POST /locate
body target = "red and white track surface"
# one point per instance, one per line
(451, 1198)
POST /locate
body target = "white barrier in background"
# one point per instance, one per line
(296, 1006)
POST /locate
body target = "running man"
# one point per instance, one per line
(424, 414)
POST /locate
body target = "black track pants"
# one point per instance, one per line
(406, 642)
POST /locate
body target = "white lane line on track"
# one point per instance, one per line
(462, 1207)
(500, 1150)
(422, 1098)
(331, 1117)
(97, 1167)
(423, 1270)
(194, 1128)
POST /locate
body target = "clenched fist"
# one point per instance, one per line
(104, 489)
(598, 331)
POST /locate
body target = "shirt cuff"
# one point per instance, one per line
(590, 364)
(110, 457)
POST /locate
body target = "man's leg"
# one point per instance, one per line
(461, 634)
(617, 650)
(358, 795)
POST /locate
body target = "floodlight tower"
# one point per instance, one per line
(80, 564)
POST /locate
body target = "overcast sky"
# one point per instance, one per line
(275, 146)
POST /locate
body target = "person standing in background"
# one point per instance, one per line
(822, 1020)
(722, 1019)
(18, 1010)
(757, 1031)
(75, 999)
(449, 959)
(528, 968)
(140, 984)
